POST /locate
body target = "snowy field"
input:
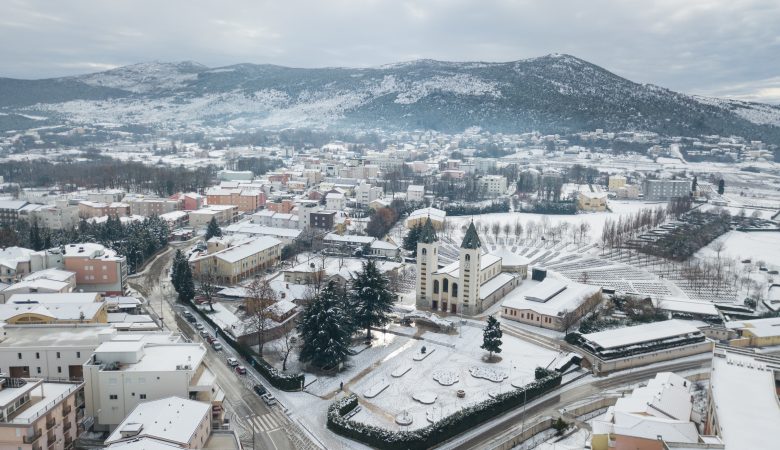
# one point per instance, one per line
(758, 246)
(595, 220)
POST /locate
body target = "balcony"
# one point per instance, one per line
(68, 442)
(66, 410)
(36, 447)
(34, 437)
(50, 423)
(66, 426)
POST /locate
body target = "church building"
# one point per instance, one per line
(467, 286)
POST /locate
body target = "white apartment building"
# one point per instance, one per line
(121, 374)
(365, 193)
(172, 420)
(492, 185)
(415, 193)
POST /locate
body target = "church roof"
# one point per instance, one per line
(427, 234)
(471, 240)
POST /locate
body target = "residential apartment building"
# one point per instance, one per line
(323, 220)
(53, 217)
(121, 374)
(666, 189)
(89, 209)
(106, 196)
(10, 210)
(97, 268)
(224, 214)
(365, 193)
(592, 201)
(239, 260)
(247, 200)
(616, 182)
(36, 415)
(492, 185)
(171, 422)
(415, 193)
(147, 207)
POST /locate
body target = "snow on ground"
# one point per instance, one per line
(595, 220)
(452, 354)
(758, 246)
(573, 441)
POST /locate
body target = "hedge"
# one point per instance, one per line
(277, 379)
(442, 430)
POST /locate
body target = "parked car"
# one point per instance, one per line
(199, 326)
(217, 346)
(232, 362)
(209, 338)
(190, 318)
(259, 389)
(204, 333)
(269, 399)
(241, 370)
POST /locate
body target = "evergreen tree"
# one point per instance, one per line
(176, 267)
(694, 184)
(325, 329)
(36, 240)
(213, 229)
(721, 186)
(491, 336)
(187, 287)
(371, 299)
(410, 240)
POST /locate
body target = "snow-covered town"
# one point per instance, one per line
(324, 233)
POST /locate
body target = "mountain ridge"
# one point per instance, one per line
(551, 93)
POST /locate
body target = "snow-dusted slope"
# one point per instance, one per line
(554, 93)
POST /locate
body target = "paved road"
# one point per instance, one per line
(259, 425)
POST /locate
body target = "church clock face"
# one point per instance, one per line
(467, 264)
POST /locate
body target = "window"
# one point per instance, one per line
(58, 355)
(445, 285)
(78, 354)
(59, 369)
(38, 369)
(435, 286)
(454, 289)
(142, 396)
(113, 397)
(424, 252)
(468, 257)
(37, 355)
(19, 355)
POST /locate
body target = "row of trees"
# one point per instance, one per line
(617, 232)
(107, 173)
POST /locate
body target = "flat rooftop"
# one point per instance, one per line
(746, 401)
(648, 332)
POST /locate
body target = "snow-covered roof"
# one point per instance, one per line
(51, 274)
(757, 327)
(54, 298)
(433, 213)
(638, 334)
(510, 259)
(171, 419)
(10, 257)
(260, 230)
(383, 245)
(494, 284)
(743, 390)
(349, 238)
(662, 408)
(570, 296)
(57, 311)
(685, 305)
(239, 252)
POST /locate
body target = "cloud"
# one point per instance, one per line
(692, 45)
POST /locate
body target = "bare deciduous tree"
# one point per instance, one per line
(260, 295)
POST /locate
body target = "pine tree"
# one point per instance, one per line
(410, 240)
(176, 269)
(325, 329)
(721, 186)
(491, 336)
(371, 299)
(213, 229)
(186, 289)
(694, 184)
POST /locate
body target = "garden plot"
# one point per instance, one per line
(451, 362)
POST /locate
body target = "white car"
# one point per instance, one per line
(232, 362)
(217, 346)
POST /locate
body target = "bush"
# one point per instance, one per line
(573, 338)
(442, 430)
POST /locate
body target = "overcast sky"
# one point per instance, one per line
(727, 48)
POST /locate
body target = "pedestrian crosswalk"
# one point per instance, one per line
(265, 422)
